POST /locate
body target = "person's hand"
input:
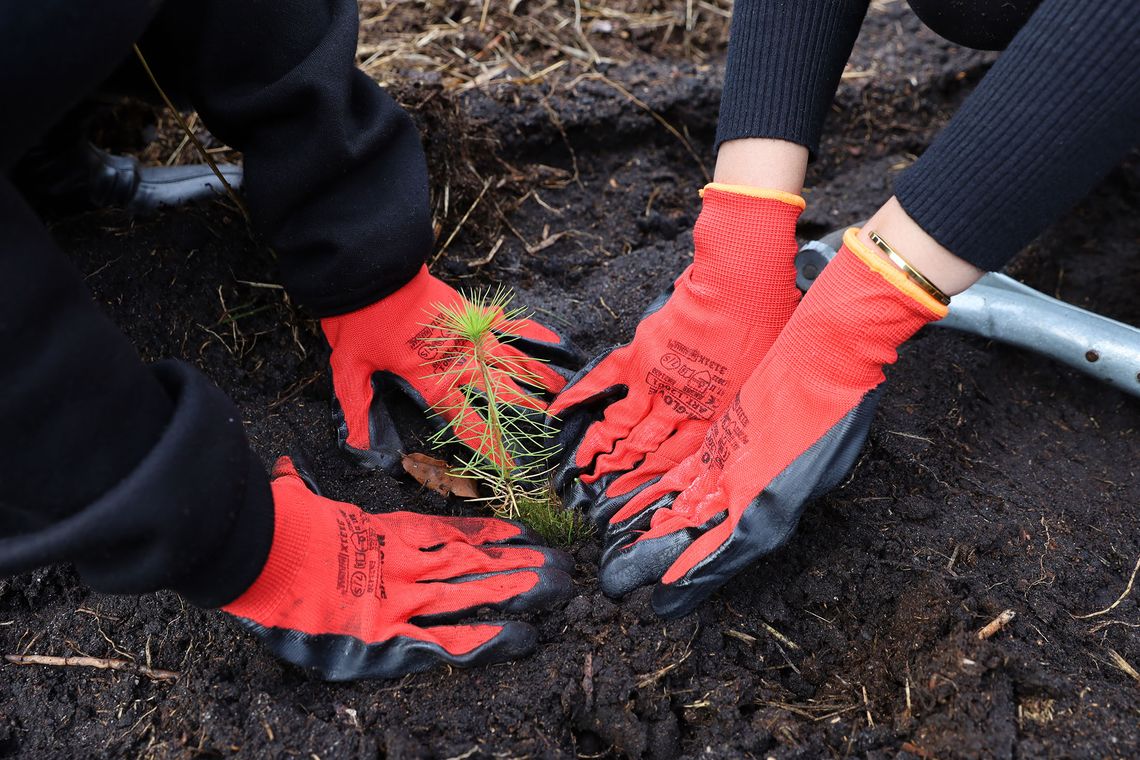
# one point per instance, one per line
(396, 344)
(687, 359)
(792, 433)
(351, 594)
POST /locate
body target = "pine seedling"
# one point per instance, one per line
(505, 431)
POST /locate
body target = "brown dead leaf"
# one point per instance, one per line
(436, 474)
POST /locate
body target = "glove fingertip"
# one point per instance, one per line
(515, 639)
(295, 465)
(554, 585)
(559, 560)
(671, 602)
(384, 449)
(283, 468)
(622, 571)
(578, 496)
(552, 347)
(628, 564)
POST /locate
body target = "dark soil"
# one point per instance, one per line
(994, 479)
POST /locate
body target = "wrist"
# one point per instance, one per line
(744, 247)
(745, 239)
(291, 528)
(762, 162)
(937, 264)
(854, 318)
(762, 193)
(877, 261)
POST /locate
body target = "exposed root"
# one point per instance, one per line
(1124, 595)
(102, 663)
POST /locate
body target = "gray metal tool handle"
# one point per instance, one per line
(1003, 309)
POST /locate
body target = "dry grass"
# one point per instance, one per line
(480, 42)
(503, 47)
(427, 53)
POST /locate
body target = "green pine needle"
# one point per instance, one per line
(482, 382)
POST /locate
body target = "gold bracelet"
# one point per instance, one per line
(915, 275)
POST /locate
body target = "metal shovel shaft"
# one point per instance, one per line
(1000, 308)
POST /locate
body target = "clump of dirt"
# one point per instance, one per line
(993, 480)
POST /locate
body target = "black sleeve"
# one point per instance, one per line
(1057, 111)
(139, 475)
(785, 58)
(335, 176)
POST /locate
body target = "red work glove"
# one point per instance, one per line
(791, 434)
(687, 359)
(356, 595)
(393, 345)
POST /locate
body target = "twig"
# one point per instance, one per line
(912, 436)
(867, 707)
(740, 636)
(588, 679)
(546, 242)
(1121, 598)
(458, 227)
(102, 663)
(818, 617)
(651, 678)
(953, 558)
(469, 752)
(914, 749)
(293, 390)
(656, 117)
(780, 637)
(995, 625)
(806, 711)
(1124, 665)
(178, 151)
(487, 259)
(1094, 629)
(193, 138)
(556, 120)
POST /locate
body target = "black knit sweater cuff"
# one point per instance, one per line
(784, 62)
(1057, 111)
